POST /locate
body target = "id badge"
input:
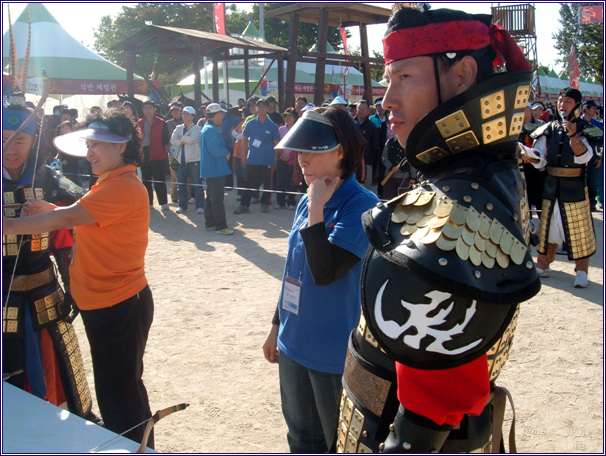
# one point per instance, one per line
(256, 143)
(292, 295)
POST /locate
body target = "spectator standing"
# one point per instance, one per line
(594, 167)
(174, 118)
(237, 168)
(403, 175)
(272, 111)
(320, 293)
(260, 135)
(371, 138)
(186, 137)
(214, 167)
(155, 154)
(285, 164)
(300, 103)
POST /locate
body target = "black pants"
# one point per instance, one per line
(117, 337)
(284, 173)
(257, 175)
(214, 208)
(154, 172)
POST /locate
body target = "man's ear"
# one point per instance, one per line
(467, 73)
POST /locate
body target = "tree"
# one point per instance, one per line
(588, 39)
(170, 68)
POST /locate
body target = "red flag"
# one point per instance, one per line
(344, 38)
(219, 18)
(591, 14)
(573, 70)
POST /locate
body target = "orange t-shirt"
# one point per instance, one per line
(109, 255)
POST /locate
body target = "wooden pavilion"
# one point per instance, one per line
(172, 40)
(336, 15)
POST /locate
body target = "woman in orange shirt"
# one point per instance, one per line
(108, 279)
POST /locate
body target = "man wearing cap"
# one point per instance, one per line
(594, 167)
(449, 262)
(214, 167)
(260, 135)
(156, 151)
(565, 146)
(339, 102)
(186, 137)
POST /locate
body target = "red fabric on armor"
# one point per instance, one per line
(445, 395)
(435, 38)
(61, 238)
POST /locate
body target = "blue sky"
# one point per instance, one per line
(80, 20)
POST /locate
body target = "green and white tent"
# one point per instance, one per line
(71, 67)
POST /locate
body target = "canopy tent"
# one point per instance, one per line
(347, 80)
(552, 83)
(71, 67)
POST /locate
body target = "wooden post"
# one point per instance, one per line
(366, 64)
(197, 79)
(215, 80)
(246, 75)
(291, 71)
(321, 59)
(281, 105)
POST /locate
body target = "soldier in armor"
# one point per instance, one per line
(40, 350)
(564, 147)
(449, 260)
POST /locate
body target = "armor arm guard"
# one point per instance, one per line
(411, 433)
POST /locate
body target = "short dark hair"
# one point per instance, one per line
(349, 137)
(150, 103)
(120, 124)
(571, 92)
(302, 98)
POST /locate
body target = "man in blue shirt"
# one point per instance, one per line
(260, 135)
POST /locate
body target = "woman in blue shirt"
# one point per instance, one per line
(319, 302)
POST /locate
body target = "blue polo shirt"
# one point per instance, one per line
(317, 336)
(261, 137)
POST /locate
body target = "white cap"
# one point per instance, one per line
(213, 108)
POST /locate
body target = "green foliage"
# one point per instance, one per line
(169, 68)
(587, 38)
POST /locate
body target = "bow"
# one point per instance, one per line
(154, 419)
(150, 424)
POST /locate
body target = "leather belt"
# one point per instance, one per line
(29, 282)
(564, 172)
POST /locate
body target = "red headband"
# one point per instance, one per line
(454, 36)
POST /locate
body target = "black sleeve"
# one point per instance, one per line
(327, 262)
(165, 135)
(276, 319)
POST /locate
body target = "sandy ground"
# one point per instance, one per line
(215, 297)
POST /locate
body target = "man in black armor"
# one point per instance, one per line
(448, 263)
(40, 350)
(564, 147)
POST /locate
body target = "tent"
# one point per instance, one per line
(71, 67)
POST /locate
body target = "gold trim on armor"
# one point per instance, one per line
(492, 104)
(564, 172)
(432, 155)
(494, 130)
(47, 307)
(10, 319)
(463, 142)
(29, 282)
(473, 235)
(453, 124)
(366, 387)
(522, 94)
(582, 238)
(499, 352)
